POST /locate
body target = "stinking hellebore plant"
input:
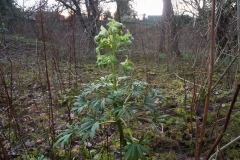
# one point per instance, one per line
(114, 99)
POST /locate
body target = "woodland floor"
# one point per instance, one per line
(28, 136)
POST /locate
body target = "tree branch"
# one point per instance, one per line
(67, 5)
(209, 87)
(79, 14)
(226, 122)
(77, 11)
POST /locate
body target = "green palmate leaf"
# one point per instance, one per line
(102, 104)
(110, 100)
(42, 157)
(119, 112)
(92, 88)
(94, 102)
(155, 127)
(85, 135)
(123, 78)
(134, 152)
(149, 103)
(133, 109)
(89, 126)
(94, 128)
(65, 135)
(161, 118)
(143, 141)
(135, 149)
(141, 155)
(80, 104)
(138, 88)
(150, 100)
(144, 149)
(98, 104)
(63, 140)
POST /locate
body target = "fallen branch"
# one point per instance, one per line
(225, 146)
(187, 80)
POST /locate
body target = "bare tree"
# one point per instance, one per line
(168, 30)
(90, 23)
(198, 8)
(226, 29)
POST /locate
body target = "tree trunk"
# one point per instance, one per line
(94, 16)
(118, 10)
(168, 30)
(123, 9)
(79, 14)
(88, 8)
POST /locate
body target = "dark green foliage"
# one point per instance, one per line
(6, 6)
(136, 148)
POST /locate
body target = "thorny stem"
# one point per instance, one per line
(209, 88)
(50, 110)
(11, 111)
(226, 122)
(193, 108)
(9, 100)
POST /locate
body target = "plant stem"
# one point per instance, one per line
(209, 88)
(228, 67)
(50, 109)
(226, 122)
(118, 122)
(114, 73)
(120, 129)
